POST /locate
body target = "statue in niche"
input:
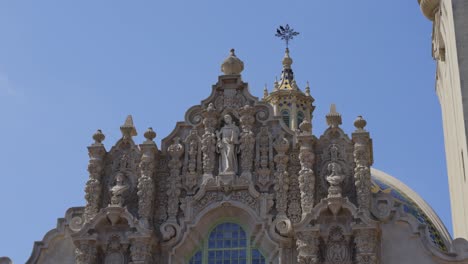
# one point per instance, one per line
(118, 190)
(335, 178)
(227, 146)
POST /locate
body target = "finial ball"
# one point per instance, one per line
(232, 65)
(98, 137)
(360, 123)
(150, 134)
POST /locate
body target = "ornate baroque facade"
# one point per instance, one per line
(237, 182)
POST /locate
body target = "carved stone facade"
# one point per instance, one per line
(297, 197)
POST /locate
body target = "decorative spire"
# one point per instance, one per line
(307, 89)
(333, 118)
(232, 65)
(286, 33)
(128, 129)
(265, 91)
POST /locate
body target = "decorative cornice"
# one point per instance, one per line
(429, 8)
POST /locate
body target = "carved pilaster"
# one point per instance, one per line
(176, 150)
(192, 162)
(140, 251)
(363, 160)
(366, 245)
(86, 252)
(93, 187)
(281, 146)
(306, 174)
(145, 182)
(264, 158)
(209, 142)
(307, 248)
(247, 140)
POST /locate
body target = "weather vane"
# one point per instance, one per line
(286, 33)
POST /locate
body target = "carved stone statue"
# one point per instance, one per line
(118, 190)
(227, 146)
(335, 178)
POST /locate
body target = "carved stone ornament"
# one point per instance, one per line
(176, 150)
(86, 252)
(93, 187)
(140, 252)
(306, 174)
(362, 174)
(192, 163)
(118, 190)
(307, 248)
(366, 244)
(209, 142)
(247, 141)
(337, 248)
(145, 181)
(227, 147)
(264, 158)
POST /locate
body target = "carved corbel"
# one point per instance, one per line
(145, 185)
(247, 141)
(363, 160)
(93, 187)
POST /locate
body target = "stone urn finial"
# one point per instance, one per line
(98, 137)
(232, 65)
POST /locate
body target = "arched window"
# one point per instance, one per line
(300, 118)
(227, 243)
(285, 115)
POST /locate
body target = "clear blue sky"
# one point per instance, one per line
(68, 68)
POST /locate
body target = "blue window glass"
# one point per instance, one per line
(227, 244)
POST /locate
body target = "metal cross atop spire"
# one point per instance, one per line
(286, 33)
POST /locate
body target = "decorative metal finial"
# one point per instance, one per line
(286, 33)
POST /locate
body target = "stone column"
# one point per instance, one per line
(145, 182)
(306, 174)
(93, 187)
(209, 142)
(363, 160)
(247, 141)
(293, 115)
(176, 150)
